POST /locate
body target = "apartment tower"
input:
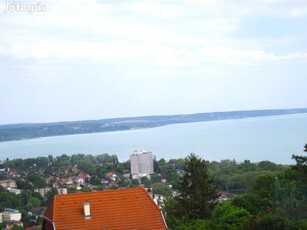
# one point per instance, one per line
(141, 163)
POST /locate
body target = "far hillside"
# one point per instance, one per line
(28, 131)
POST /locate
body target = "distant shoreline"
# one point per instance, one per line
(16, 132)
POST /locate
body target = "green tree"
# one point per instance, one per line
(250, 201)
(263, 185)
(301, 166)
(3, 225)
(161, 189)
(170, 211)
(145, 181)
(228, 217)
(63, 161)
(24, 196)
(95, 180)
(134, 183)
(33, 202)
(50, 159)
(50, 194)
(155, 178)
(269, 222)
(196, 191)
(37, 181)
(264, 188)
(9, 200)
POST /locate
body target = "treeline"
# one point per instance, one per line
(228, 175)
(275, 200)
(233, 177)
(87, 163)
(261, 195)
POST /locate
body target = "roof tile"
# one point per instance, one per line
(113, 209)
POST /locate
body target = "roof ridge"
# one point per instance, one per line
(69, 207)
(104, 191)
(53, 204)
(156, 206)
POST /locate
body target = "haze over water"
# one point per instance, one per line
(273, 138)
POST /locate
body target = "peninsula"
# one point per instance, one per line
(35, 130)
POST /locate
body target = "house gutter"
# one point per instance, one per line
(53, 222)
(163, 218)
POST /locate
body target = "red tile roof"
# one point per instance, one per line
(114, 209)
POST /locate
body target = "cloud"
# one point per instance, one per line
(297, 12)
(172, 34)
(295, 56)
(120, 53)
(158, 10)
(2, 50)
(145, 54)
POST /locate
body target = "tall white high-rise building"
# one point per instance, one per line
(141, 163)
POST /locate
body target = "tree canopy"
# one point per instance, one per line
(196, 191)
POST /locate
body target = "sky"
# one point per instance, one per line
(81, 60)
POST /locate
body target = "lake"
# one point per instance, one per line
(273, 138)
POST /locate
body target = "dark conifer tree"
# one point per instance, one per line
(197, 194)
(301, 165)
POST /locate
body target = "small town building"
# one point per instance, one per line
(113, 209)
(14, 190)
(8, 183)
(42, 191)
(62, 191)
(141, 164)
(10, 215)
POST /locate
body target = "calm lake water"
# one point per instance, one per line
(273, 138)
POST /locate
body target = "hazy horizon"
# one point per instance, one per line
(153, 116)
(273, 138)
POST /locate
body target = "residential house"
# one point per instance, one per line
(8, 183)
(112, 176)
(84, 176)
(62, 191)
(10, 215)
(42, 191)
(11, 224)
(14, 190)
(126, 175)
(12, 173)
(37, 212)
(113, 209)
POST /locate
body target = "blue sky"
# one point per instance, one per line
(81, 60)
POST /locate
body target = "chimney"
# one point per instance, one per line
(87, 210)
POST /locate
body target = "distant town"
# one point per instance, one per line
(27, 186)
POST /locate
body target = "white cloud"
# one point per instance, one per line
(108, 52)
(224, 55)
(2, 50)
(295, 56)
(138, 33)
(297, 12)
(159, 10)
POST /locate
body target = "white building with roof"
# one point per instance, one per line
(9, 215)
(141, 164)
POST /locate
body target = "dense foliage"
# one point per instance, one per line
(195, 190)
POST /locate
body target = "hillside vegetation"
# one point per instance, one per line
(28, 131)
